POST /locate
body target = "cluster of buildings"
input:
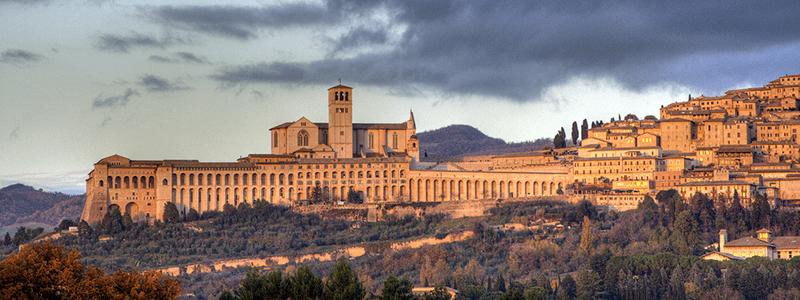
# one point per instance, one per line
(744, 142)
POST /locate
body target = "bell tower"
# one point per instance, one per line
(340, 120)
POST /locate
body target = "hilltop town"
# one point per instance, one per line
(740, 144)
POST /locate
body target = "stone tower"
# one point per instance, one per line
(340, 120)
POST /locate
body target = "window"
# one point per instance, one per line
(371, 141)
(302, 138)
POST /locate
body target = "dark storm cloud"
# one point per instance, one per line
(124, 43)
(179, 57)
(19, 56)
(114, 101)
(516, 49)
(157, 84)
(238, 21)
(30, 2)
(360, 36)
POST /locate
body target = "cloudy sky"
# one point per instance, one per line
(82, 80)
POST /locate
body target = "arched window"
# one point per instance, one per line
(346, 94)
(101, 183)
(302, 138)
(336, 96)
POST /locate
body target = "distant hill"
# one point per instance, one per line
(20, 203)
(465, 140)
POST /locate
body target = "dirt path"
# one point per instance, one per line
(349, 252)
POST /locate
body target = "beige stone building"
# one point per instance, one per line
(341, 138)
(764, 245)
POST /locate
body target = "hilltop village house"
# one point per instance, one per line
(741, 144)
(764, 245)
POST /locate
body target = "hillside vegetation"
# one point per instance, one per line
(465, 140)
(20, 204)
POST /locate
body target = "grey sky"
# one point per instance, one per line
(81, 80)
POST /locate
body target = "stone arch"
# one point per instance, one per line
(132, 209)
(127, 182)
(281, 178)
(227, 179)
(219, 191)
(208, 199)
(502, 189)
(427, 189)
(191, 198)
(235, 179)
(191, 179)
(271, 179)
(182, 192)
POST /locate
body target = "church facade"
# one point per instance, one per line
(341, 138)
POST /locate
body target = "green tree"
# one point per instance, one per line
(759, 216)
(558, 141)
(112, 222)
(226, 295)
(7, 239)
(500, 284)
(316, 194)
(171, 214)
(584, 130)
(193, 215)
(588, 236)
(305, 284)
(343, 283)
(84, 230)
(536, 293)
(65, 224)
(354, 197)
(253, 286)
(567, 288)
(438, 293)
(394, 289)
(21, 236)
(589, 285)
(575, 133)
(648, 204)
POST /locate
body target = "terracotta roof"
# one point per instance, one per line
(786, 242)
(726, 255)
(747, 242)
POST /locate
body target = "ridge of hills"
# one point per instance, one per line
(20, 203)
(464, 140)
